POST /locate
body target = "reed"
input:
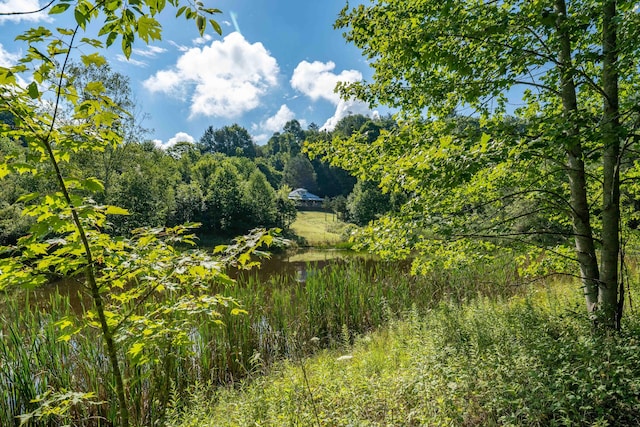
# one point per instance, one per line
(284, 316)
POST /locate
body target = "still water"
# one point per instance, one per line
(296, 263)
(293, 264)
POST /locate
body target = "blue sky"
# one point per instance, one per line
(283, 64)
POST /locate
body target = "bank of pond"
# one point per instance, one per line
(301, 307)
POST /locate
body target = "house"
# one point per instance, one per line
(304, 198)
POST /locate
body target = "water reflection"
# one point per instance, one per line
(297, 264)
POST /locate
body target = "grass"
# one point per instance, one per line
(285, 319)
(318, 229)
(528, 360)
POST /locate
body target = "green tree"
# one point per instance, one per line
(299, 173)
(224, 201)
(286, 208)
(576, 61)
(350, 124)
(260, 201)
(190, 204)
(231, 140)
(366, 203)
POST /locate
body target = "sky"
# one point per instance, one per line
(275, 61)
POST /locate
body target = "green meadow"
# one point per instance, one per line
(312, 228)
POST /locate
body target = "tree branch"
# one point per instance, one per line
(45, 7)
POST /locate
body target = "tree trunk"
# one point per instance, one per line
(585, 247)
(608, 286)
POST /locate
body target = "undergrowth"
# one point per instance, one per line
(529, 360)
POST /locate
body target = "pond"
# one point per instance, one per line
(293, 264)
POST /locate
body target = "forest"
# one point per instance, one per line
(491, 276)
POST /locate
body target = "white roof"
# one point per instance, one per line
(304, 194)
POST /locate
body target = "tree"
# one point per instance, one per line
(285, 207)
(66, 238)
(576, 61)
(224, 201)
(366, 203)
(231, 140)
(299, 173)
(118, 87)
(260, 200)
(350, 124)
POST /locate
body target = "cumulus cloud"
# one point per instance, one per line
(7, 59)
(317, 80)
(225, 79)
(277, 122)
(344, 109)
(179, 137)
(7, 6)
(261, 138)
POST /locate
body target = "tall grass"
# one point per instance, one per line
(530, 360)
(285, 319)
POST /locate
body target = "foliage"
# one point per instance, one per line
(527, 361)
(67, 238)
(259, 197)
(285, 207)
(231, 140)
(366, 203)
(299, 173)
(224, 202)
(564, 161)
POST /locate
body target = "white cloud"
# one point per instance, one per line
(227, 78)
(131, 61)
(277, 122)
(202, 40)
(347, 108)
(178, 137)
(149, 51)
(180, 47)
(274, 123)
(7, 6)
(318, 81)
(261, 138)
(7, 59)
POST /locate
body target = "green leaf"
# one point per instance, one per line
(59, 8)
(126, 47)
(65, 31)
(215, 26)
(34, 93)
(201, 23)
(114, 210)
(4, 170)
(93, 185)
(136, 348)
(25, 198)
(81, 19)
